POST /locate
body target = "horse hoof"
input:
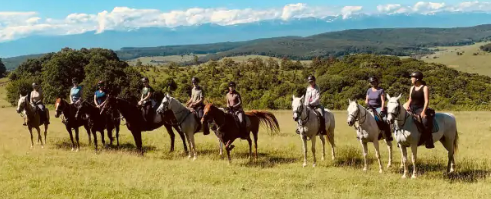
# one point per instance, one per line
(404, 177)
(389, 165)
(304, 164)
(365, 169)
(314, 165)
(380, 171)
(323, 158)
(189, 157)
(413, 177)
(195, 158)
(73, 149)
(42, 147)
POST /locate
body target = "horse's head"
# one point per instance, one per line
(353, 112)
(22, 104)
(297, 107)
(110, 101)
(207, 111)
(393, 108)
(164, 106)
(60, 105)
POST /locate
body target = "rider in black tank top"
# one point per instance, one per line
(417, 100)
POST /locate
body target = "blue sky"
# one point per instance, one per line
(61, 8)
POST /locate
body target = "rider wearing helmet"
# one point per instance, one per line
(100, 95)
(196, 100)
(146, 99)
(36, 100)
(76, 95)
(375, 100)
(419, 99)
(234, 104)
(312, 100)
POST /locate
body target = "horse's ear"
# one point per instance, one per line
(293, 96)
(399, 97)
(349, 100)
(167, 95)
(302, 96)
(388, 96)
(20, 95)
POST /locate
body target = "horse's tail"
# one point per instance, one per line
(266, 118)
(456, 142)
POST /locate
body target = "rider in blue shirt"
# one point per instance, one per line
(100, 95)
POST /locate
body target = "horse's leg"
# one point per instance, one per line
(377, 154)
(365, 154)
(193, 145)
(137, 135)
(117, 134)
(40, 138)
(389, 147)
(250, 147)
(32, 139)
(45, 133)
(77, 139)
(330, 138)
(255, 134)
(71, 137)
(448, 144)
(88, 132)
(313, 150)
(304, 142)
(110, 135)
(414, 152)
(94, 134)
(172, 136)
(323, 140)
(404, 160)
(102, 138)
(183, 138)
(228, 155)
(220, 146)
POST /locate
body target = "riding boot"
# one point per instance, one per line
(429, 133)
(322, 130)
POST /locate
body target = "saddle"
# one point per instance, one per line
(241, 126)
(322, 122)
(381, 123)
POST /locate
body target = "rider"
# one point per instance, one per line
(100, 95)
(375, 100)
(234, 104)
(418, 104)
(312, 100)
(76, 95)
(146, 100)
(36, 101)
(196, 101)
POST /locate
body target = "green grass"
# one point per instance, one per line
(468, 62)
(3, 92)
(57, 172)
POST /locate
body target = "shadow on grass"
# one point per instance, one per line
(67, 145)
(266, 161)
(350, 157)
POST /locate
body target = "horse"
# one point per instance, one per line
(407, 133)
(136, 123)
(33, 119)
(367, 131)
(188, 122)
(308, 127)
(228, 130)
(71, 122)
(99, 121)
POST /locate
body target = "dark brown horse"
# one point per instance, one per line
(69, 111)
(99, 121)
(228, 130)
(136, 123)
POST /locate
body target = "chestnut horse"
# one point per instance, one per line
(136, 123)
(69, 111)
(228, 130)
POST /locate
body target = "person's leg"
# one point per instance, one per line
(322, 126)
(242, 126)
(385, 125)
(148, 109)
(427, 122)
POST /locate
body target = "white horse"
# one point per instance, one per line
(407, 133)
(185, 118)
(33, 119)
(367, 131)
(308, 126)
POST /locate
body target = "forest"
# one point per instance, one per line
(263, 83)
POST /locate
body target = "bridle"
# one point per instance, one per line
(357, 117)
(396, 114)
(299, 112)
(205, 115)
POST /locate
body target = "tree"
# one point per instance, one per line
(138, 63)
(2, 68)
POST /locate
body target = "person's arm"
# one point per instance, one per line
(239, 98)
(408, 103)
(382, 98)
(366, 98)
(228, 101)
(41, 96)
(95, 100)
(30, 99)
(426, 91)
(200, 99)
(150, 92)
(71, 97)
(315, 99)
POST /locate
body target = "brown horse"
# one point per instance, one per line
(69, 111)
(100, 121)
(33, 119)
(136, 123)
(228, 130)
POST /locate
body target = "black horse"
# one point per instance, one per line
(99, 121)
(71, 122)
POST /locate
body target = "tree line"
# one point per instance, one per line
(263, 83)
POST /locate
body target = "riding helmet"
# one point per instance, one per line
(195, 79)
(372, 79)
(231, 84)
(145, 79)
(100, 83)
(34, 84)
(418, 75)
(74, 80)
(311, 78)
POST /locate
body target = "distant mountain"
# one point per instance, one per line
(210, 33)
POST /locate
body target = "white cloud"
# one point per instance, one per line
(14, 25)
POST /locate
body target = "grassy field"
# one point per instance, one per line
(473, 60)
(57, 172)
